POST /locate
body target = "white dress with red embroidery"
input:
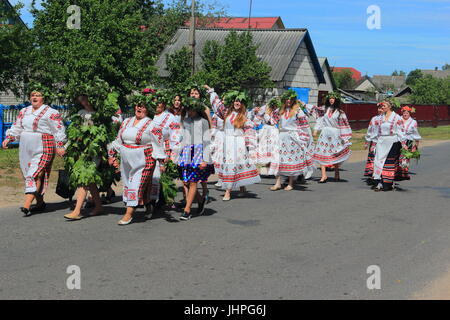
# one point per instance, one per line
(385, 132)
(140, 146)
(333, 145)
(165, 121)
(268, 137)
(237, 155)
(39, 132)
(217, 134)
(295, 138)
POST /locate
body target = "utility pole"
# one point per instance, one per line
(250, 14)
(192, 35)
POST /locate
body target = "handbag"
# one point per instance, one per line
(63, 186)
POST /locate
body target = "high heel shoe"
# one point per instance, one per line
(323, 181)
(124, 223)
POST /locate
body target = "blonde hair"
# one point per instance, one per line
(293, 111)
(240, 120)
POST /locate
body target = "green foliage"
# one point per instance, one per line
(179, 66)
(234, 95)
(230, 66)
(413, 76)
(411, 155)
(398, 73)
(446, 67)
(109, 45)
(430, 90)
(86, 154)
(194, 104)
(168, 186)
(275, 103)
(234, 65)
(344, 79)
(16, 46)
(289, 95)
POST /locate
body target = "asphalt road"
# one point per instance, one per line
(312, 243)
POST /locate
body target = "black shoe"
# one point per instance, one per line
(26, 212)
(40, 208)
(201, 207)
(185, 216)
(324, 181)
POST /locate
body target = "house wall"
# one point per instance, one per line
(328, 86)
(365, 86)
(8, 98)
(301, 74)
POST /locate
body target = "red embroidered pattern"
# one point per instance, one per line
(38, 118)
(141, 131)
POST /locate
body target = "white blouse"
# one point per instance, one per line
(43, 120)
(145, 132)
(411, 130)
(390, 127)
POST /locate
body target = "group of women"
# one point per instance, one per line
(228, 138)
(387, 135)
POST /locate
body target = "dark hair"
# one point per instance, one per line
(171, 108)
(202, 114)
(336, 105)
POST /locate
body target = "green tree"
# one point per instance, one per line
(109, 45)
(446, 67)
(344, 79)
(15, 48)
(233, 64)
(413, 76)
(179, 66)
(430, 90)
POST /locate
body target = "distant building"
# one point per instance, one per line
(389, 84)
(289, 52)
(274, 23)
(440, 74)
(356, 75)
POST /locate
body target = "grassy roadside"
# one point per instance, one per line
(428, 133)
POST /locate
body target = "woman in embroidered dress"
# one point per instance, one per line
(333, 145)
(389, 136)
(412, 142)
(295, 138)
(369, 144)
(140, 143)
(217, 134)
(195, 159)
(268, 135)
(41, 133)
(168, 124)
(238, 154)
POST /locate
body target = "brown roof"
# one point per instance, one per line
(441, 74)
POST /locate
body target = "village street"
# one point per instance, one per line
(260, 247)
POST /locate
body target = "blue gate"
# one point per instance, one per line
(303, 93)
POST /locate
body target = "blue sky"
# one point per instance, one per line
(414, 33)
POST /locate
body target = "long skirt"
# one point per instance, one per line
(136, 167)
(36, 154)
(268, 145)
(293, 156)
(386, 160)
(402, 172)
(368, 170)
(217, 138)
(330, 148)
(236, 168)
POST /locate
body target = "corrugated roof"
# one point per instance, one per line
(441, 74)
(276, 47)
